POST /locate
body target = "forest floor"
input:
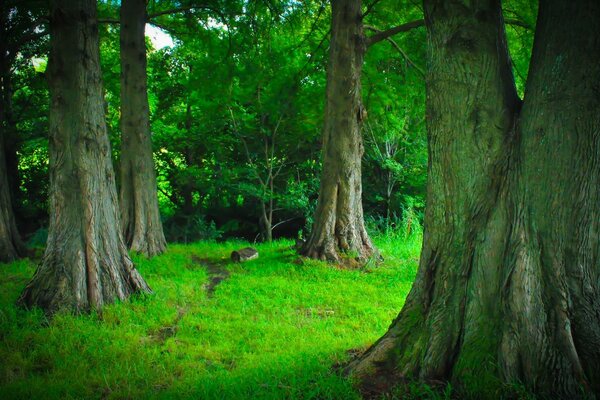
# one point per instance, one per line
(271, 328)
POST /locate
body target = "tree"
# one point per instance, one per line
(507, 288)
(11, 246)
(85, 264)
(16, 28)
(142, 227)
(339, 223)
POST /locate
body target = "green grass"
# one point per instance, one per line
(272, 330)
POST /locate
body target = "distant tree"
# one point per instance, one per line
(339, 221)
(508, 285)
(142, 227)
(85, 264)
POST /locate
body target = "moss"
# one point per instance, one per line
(476, 369)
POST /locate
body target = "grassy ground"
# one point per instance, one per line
(272, 329)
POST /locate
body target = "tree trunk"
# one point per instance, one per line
(265, 224)
(86, 263)
(188, 187)
(339, 223)
(508, 284)
(142, 227)
(11, 246)
(7, 122)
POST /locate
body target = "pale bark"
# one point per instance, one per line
(142, 227)
(508, 283)
(339, 224)
(86, 263)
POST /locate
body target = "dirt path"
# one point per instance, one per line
(217, 273)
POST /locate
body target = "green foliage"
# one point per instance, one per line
(240, 78)
(243, 77)
(520, 37)
(272, 330)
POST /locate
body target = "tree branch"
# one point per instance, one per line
(172, 11)
(108, 21)
(389, 39)
(518, 22)
(369, 8)
(382, 35)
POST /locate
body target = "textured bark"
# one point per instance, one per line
(339, 224)
(86, 263)
(508, 284)
(11, 246)
(142, 227)
(9, 49)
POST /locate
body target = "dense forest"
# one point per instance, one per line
(437, 158)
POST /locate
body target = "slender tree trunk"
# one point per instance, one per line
(339, 223)
(508, 283)
(142, 227)
(188, 186)
(266, 224)
(86, 263)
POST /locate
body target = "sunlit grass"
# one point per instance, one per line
(273, 329)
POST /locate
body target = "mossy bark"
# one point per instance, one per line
(508, 288)
(142, 227)
(339, 224)
(85, 264)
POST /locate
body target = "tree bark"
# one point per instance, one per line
(86, 263)
(142, 227)
(339, 224)
(11, 246)
(265, 223)
(508, 284)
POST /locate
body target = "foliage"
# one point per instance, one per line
(242, 77)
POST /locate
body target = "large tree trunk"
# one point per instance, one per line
(508, 284)
(11, 246)
(142, 227)
(339, 224)
(86, 263)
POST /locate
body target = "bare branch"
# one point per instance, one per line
(108, 21)
(172, 11)
(258, 177)
(382, 35)
(389, 39)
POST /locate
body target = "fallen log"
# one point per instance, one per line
(245, 254)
